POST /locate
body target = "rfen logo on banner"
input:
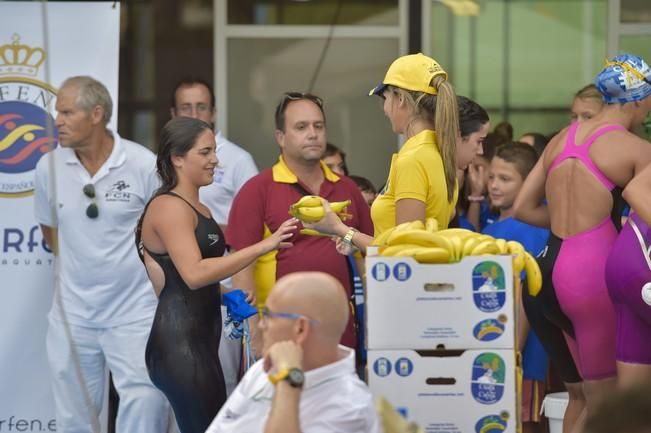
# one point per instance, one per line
(23, 247)
(27, 129)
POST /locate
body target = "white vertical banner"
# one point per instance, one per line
(41, 44)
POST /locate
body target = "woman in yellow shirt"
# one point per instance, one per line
(421, 105)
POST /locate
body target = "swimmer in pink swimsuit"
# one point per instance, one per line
(579, 277)
(577, 168)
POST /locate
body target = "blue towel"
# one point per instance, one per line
(237, 311)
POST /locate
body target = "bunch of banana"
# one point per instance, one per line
(309, 209)
(431, 226)
(414, 239)
(427, 245)
(476, 244)
(312, 232)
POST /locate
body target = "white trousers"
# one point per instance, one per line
(142, 409)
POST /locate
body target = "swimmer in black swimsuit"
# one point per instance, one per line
(182, 248)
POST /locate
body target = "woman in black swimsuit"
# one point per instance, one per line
(182, 248)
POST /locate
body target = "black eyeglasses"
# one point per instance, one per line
(92, 211)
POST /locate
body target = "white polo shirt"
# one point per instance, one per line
(333, 400)
(236, 166)
(102, 281)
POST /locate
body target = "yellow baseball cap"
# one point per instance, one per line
(411, 72)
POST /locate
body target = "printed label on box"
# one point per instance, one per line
(404, 367)
(382, 367)
(492, 424)
(488, 330)
(401, 271)
(463, 305)
(488, 372)
(381, 271)
(488, 286)
(469, 392)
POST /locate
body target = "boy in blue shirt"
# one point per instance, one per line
(508, 169)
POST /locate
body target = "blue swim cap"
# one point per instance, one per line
(626, 78)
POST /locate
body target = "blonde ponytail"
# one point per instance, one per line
(446, 124)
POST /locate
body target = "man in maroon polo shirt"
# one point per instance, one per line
(262, 204)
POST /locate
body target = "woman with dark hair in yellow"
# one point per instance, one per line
(422, 106)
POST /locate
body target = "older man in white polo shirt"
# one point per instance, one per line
(306, 381)
(89, 194)
(193, 97)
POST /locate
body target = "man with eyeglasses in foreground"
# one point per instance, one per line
(263, 203)
(306, 381)
(88, 195)
(194, 97)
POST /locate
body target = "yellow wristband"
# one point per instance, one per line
(275, 378)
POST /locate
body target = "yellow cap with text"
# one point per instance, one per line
(412, 72)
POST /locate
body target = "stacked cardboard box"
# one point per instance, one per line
(441, 341)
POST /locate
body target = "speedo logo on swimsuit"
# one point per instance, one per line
(214, 237)
(543, 253)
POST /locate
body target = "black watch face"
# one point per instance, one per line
(296, 377)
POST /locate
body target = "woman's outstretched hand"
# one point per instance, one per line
(330, 224)
(280, 238)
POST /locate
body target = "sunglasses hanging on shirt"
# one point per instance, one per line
(92, 211)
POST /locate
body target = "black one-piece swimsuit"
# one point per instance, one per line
(181, 353)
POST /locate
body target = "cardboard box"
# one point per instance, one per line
(471, 392)
(464, 305)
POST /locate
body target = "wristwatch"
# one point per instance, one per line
(294, 376)
(348, 238)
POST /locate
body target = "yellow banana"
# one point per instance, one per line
(483, 237)
(469, 244)
(457, 248)
(309, 214)
(339, 206)
(517, 251)
(463, 233)
(418, 237)
(431, 225)
(430, 255)
(402, 226)
(381, 239)
(415, 225)
(534, 276)
(312, 232)
(485, 247)
(308, 201)
(446, 244)
(395, 250)
(501, 245)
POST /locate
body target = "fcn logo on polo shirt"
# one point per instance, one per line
(119, 191)
(27, 128)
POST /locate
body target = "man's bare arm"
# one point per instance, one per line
(50, 235)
